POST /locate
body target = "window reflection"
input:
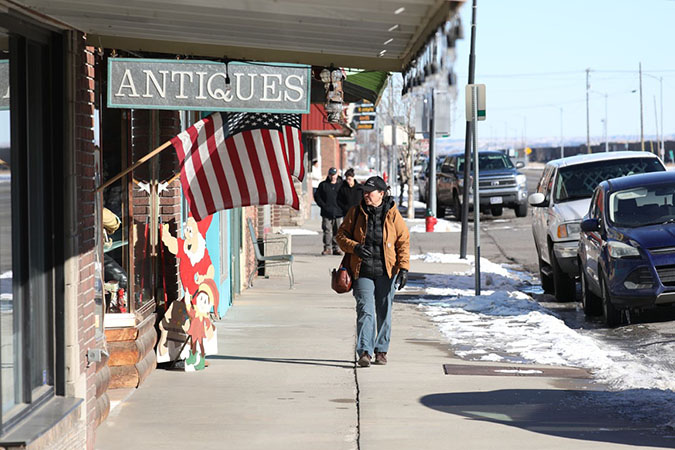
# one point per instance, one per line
(8, 353)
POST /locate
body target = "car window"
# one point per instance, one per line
(593, 210)
(578, 181)
(488, 161)
(643, 206)
(543, 181)
(599, 205)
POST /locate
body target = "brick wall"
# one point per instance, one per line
(84, 149)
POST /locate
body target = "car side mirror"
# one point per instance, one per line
(537, 199)
(590, 225)
(520, 165)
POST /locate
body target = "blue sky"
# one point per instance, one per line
(532, 55)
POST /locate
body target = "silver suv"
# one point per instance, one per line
(563, 197)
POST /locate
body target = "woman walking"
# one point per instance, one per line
(376, 236)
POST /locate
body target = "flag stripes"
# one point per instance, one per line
(239, 159)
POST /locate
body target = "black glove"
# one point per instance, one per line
(401, 279)
(362, 252)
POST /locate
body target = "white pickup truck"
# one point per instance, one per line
(562, 199)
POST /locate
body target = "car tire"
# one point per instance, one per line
(591, 303)
(440, 210)
(521, 210)
(564, 286)
(610, 313)
(546, 281)
(497, 211)
(457, 206)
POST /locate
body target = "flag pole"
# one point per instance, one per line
(145, 158)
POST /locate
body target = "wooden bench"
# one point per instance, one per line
(263, 261)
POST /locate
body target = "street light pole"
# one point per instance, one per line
(663, 142)
(606, 136)
(588, 120)
(642, 127)
(467, 143)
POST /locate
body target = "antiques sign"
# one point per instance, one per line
(208, 85)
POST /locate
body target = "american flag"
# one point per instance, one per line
(229, 160)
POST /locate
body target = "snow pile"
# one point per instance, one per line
(298, 232)
(504, 324)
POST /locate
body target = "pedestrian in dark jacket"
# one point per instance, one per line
(376, 234)
(331, 213)
(350, 193)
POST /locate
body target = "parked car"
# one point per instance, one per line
(627, 246)
(500, 183)
(423, 177)
(562, 198)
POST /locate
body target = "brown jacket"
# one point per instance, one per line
(395, 234)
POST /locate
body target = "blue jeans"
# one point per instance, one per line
(374, 298)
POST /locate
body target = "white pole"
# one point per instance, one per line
(663, 141)
(562, 137)
(476, 194)
(606, 136)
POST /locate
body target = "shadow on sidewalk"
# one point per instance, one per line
(586, 415)
(342, 364)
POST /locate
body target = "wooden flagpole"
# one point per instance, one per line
(147, 157)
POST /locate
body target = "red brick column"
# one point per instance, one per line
(84, 151)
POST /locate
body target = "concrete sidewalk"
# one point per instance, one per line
(285, 378)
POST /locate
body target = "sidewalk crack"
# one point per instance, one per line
(358, 408)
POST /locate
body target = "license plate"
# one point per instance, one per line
(496, 200)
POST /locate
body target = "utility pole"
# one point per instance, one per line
(656, 121)
(431, 200)
(662, 152)
(467, 143)
(642, 126)
(393, 175)
(476, 192)
(562, 138)
(606, 137)
(588, 110)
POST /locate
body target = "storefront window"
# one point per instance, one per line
(31, 165)
(8, 343)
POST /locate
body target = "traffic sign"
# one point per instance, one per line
(364, 118)
(480, 107)
(365, 126)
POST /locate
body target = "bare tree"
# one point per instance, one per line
(399, 112)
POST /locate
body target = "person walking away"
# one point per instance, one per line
(331, 213)
(350, 193)
(378, 239)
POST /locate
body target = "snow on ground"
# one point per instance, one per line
(506, 325)
(298, 232)
(442, 226)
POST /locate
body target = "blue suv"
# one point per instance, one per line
(627, 246)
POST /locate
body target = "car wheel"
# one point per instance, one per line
(590, 301)
(546, 280)
(497, 211)
(440, 210)
(611, 314)
(521, 210)
(457, 206)
(564, 286)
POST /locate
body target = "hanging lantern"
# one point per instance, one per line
(332, 82)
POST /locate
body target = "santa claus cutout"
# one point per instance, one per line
(196, 272)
